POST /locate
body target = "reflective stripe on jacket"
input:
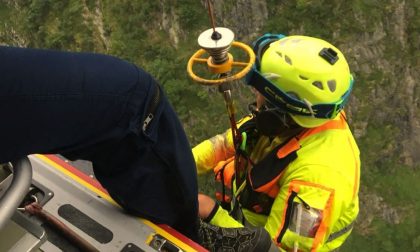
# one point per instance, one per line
(314, 198)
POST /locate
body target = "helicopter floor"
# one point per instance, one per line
(79, 201)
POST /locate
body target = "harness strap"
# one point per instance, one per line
(332, 124)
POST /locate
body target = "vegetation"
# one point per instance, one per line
(140, 30)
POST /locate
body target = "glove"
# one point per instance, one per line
(241, 239)
(220, 217)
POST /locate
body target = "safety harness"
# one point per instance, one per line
(258, 191)
(260, 188)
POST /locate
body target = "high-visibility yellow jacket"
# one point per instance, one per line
(314, 198)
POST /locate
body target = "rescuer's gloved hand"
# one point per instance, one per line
(220, 217)
(245, 239)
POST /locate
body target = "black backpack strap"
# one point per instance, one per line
(271, 166)
(266, 172)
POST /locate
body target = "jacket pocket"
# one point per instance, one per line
(306, 216)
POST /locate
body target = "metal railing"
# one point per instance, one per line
(22, 178)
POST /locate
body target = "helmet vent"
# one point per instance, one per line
(303, 77)
(332, 85)
(279, 54)
(271, 76)
(318, 84)
(288, 60)
(293, 95)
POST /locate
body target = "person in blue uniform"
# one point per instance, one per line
(108, 111)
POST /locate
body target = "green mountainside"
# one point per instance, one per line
(381, 40)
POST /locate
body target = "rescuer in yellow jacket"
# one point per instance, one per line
(293, 166)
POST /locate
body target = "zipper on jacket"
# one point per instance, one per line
(288, 215)
(151, 110)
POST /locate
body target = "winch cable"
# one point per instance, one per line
(211, 16)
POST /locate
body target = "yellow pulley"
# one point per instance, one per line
(216, 43)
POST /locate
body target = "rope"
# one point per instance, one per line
(36, 209)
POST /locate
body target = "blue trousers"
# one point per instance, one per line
(93, 107)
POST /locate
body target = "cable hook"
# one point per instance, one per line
(35, 200)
